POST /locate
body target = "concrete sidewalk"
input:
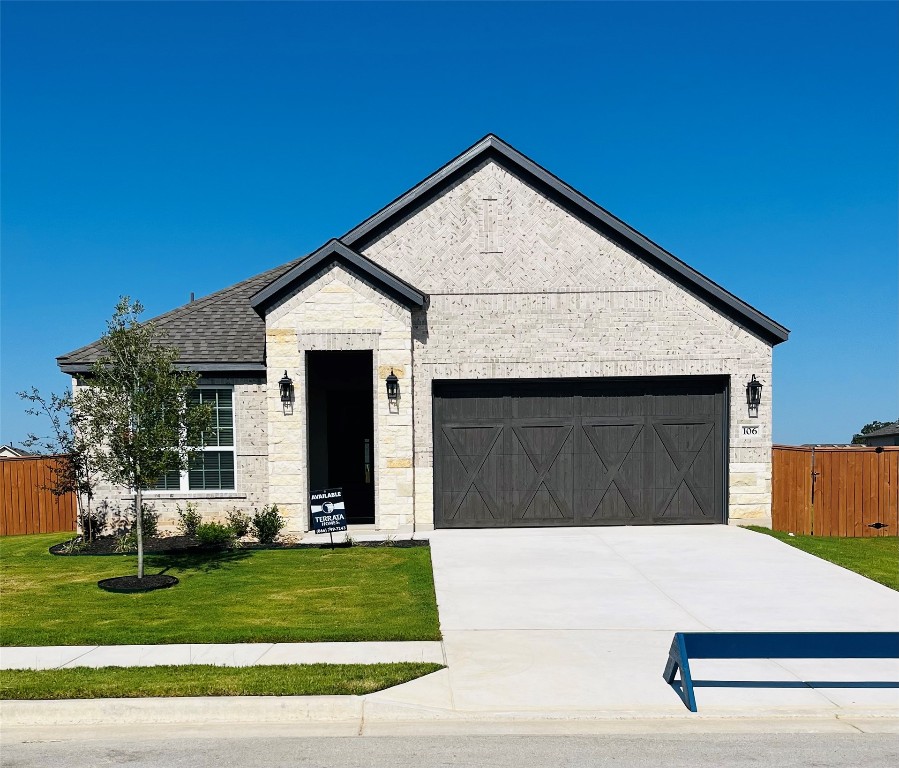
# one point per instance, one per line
(222, 654)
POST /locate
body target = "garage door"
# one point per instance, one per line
(579, 452)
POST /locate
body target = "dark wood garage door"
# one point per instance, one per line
(586, 452)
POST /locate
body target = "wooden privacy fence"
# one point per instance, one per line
(835, 491)
(26, 504)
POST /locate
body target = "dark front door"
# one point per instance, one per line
(351, 432)
(582, 452)
(341, 429)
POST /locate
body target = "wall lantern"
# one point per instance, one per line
(753, 396)
(393, 387)
(286, 387)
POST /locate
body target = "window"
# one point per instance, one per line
(213, 468)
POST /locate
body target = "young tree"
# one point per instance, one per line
(74, 470)
(135, 410)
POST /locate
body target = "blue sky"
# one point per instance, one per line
(155, 149)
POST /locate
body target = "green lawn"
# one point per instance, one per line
(207, 680)
(243, 596)
(877, 557)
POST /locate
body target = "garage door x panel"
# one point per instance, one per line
(472, 469)
(684, 457)
(539, 471)
(611, 477)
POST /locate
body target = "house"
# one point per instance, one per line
(550, 366)
(888, 435)
(11, 452)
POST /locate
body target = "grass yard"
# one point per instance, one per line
(876, 558)
(299, 595)
(207, 680)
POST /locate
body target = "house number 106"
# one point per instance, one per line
(750, 430)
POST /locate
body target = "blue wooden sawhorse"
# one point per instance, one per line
(772, 645)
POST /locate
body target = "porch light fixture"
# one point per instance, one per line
(286, 387)
(393, 387)
(753, 396)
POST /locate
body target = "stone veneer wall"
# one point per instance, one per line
(334, 310)
(251, 448)
(519, 288)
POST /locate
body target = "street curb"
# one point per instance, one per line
(360, 715)
(186, 710)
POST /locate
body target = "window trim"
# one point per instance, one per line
(184, 490)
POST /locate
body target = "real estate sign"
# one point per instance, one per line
(328, 512)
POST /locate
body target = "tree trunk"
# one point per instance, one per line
(89, 520)
(139, 504)
(79, 516)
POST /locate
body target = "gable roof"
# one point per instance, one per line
(334, 250)
(224, 331)
(492, 147)
(10, 451)
(220, 332)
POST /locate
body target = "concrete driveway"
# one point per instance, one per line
(581, 619)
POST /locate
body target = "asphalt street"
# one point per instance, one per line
(862, 750)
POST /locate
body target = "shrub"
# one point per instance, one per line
(150, 529)
(150, 519)
(189, 519)
(267, 524)
(239, 523)
(76, 545)
(215, 535)
(92, 521)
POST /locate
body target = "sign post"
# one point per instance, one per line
(328, 512)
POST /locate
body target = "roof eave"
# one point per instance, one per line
(200, 367)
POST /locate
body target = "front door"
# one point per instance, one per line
(351, 435)
(340, 405)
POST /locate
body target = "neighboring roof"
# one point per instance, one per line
(224, 332)
(220, 332)
(12, 451)
(887, 431)
(493, 148)
(829, 445)
(357, 264)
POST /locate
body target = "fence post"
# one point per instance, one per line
(811, 513)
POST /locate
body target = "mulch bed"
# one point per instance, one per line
(108, 545)
(131, 584)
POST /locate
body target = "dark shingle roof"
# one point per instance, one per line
(887, 431)
(218, 332)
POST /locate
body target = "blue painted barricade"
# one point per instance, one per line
(771, 645)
